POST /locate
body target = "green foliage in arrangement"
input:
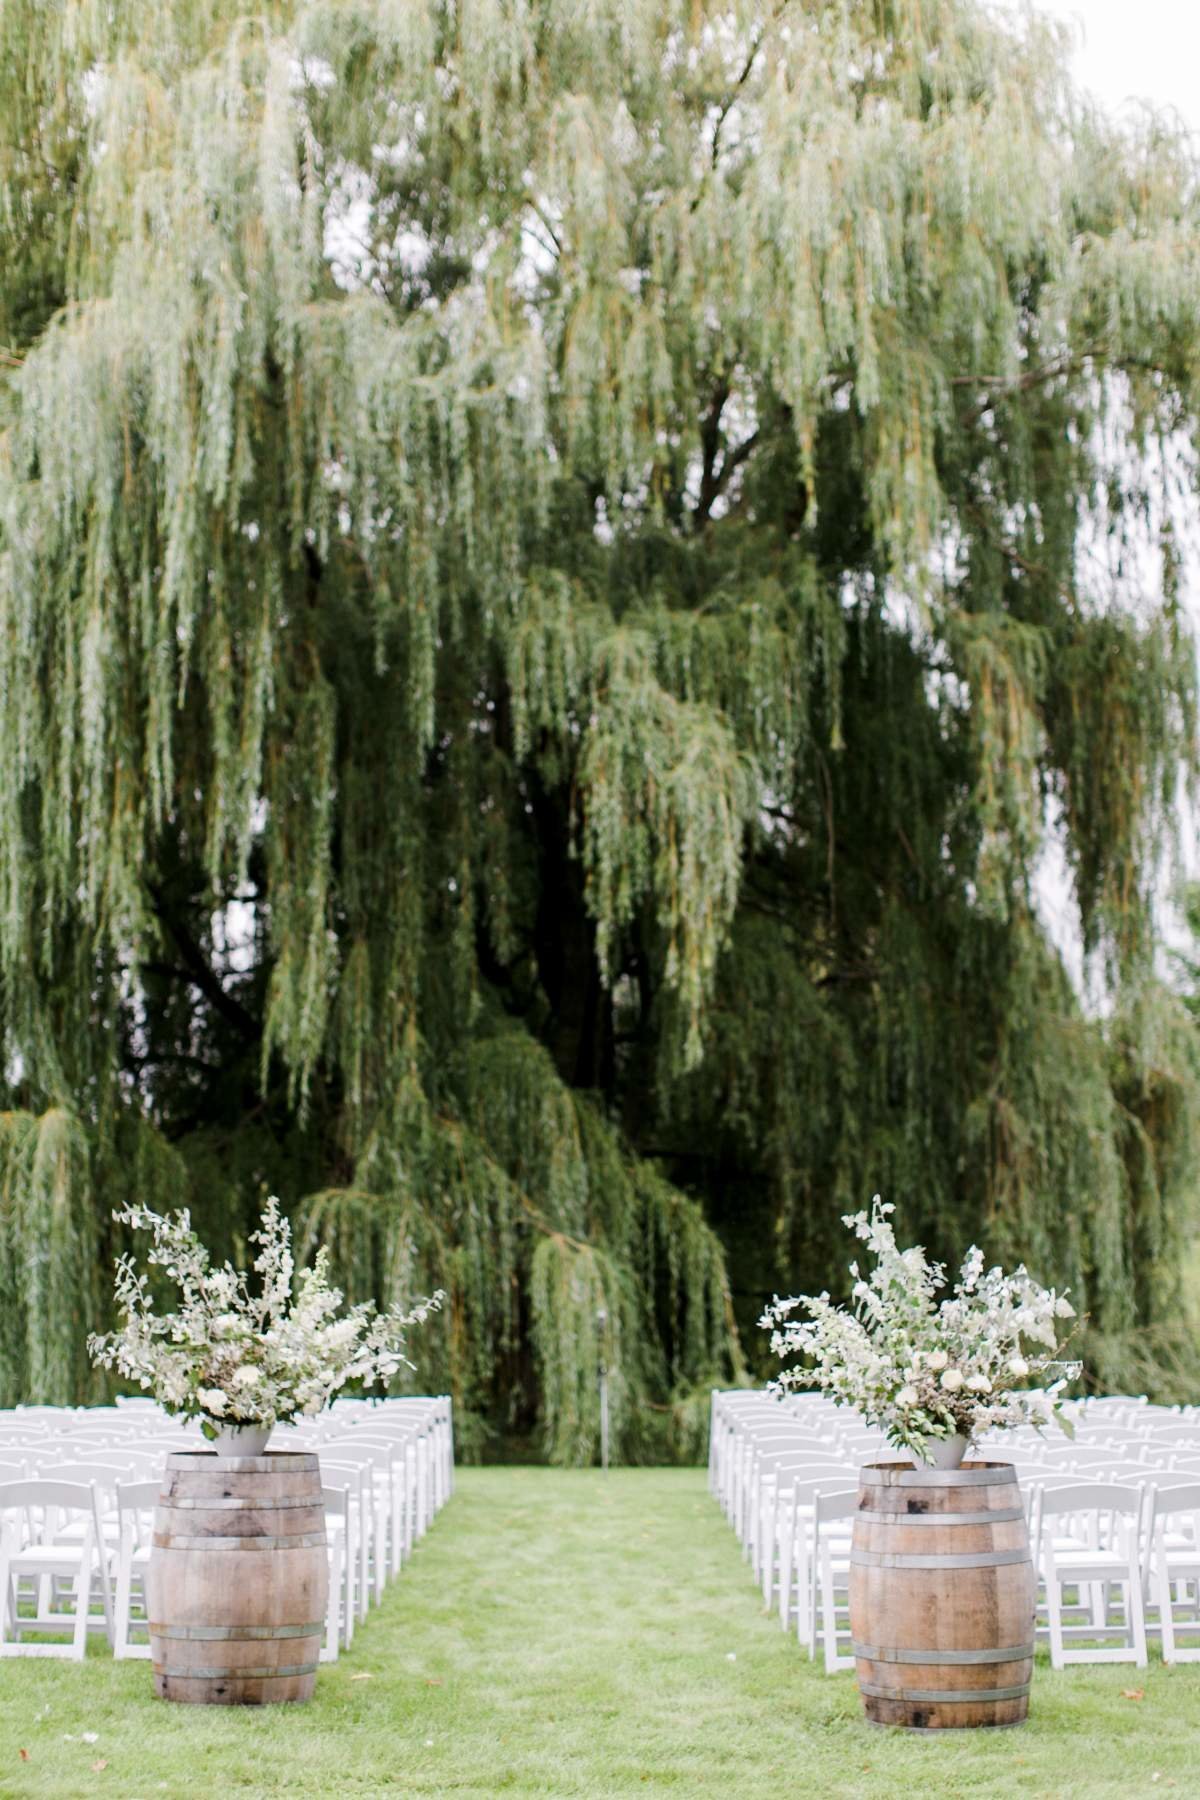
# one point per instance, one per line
(555, 561)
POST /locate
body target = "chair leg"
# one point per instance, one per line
(828, 1612)
(8, 1596)
(329, 1649)
(1166, 1614)
(1054, 1614)
(124, 1584)
(1137, 1616)
(397, 1551)
(788, 1528)
(83, 1595)
(364, 1560)
(810, 1598)
(767, 1529)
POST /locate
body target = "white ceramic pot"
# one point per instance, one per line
(943, 1453)
(241, 1440)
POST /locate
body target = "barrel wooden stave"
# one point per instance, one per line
(238, 1579)
(953, 1643)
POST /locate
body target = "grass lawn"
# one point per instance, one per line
(568, 1634)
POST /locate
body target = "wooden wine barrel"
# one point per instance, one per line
(238, 1579)
(942, 1596)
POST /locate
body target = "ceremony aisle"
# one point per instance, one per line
(571, 1634)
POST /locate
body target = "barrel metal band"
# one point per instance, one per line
(303, 1540)
(943, 1696)
(271, 1462)
(876, 1653)
(224, 1672)
(1003, 1515)
(232, 1503)
(904, 1475)
(236, 1634)
(966, 1559)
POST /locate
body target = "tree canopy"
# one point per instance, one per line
(558, 561)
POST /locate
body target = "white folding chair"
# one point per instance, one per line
(339, 1531)
(135, 1502)
(401, 1447)
(1101, 1554)
(782, 1513)
(338, 1465)
(833, 1567)
(798, 1574)
(33, 1514)
(1175, 1565)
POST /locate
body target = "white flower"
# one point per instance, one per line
(1063, 1309)
(907, 1396)
(225, 1325)
(952, 1380)
(937, 1359)
(979, 1384)
(1018, 1366)
(213, 1400)
(246, 1376)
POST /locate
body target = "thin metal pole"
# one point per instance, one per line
(604, 1418)
(602, 1327)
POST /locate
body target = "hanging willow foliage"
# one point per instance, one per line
(547, 593)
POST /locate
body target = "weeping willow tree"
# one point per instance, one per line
(555, 562)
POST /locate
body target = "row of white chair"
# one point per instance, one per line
(1115, 1523)
(77, 1494)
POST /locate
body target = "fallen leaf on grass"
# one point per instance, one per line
(1133, 1693)
(101, 1762)
(434, 1681)
(24, 1755)
(363, 1675)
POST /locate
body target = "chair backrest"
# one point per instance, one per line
(135, 1505)
(336, 1499)
(818, 1469)
(363, 1456)
(52, 1498)
(137, 1496)
(86, 1473)
(390, 1448)
(164, 1446)
(1173, 1498)
(139, 1463)
(814, 1448)
(114, 1425)
(821, 1481)
(1085, 1456)
(834, 1503)
(334, 1465)
(379, 1428)
(1091, 1496)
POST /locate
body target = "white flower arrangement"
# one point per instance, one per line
(229, 1357)
(925, 1370)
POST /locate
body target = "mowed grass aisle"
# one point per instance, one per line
(568, 1634)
